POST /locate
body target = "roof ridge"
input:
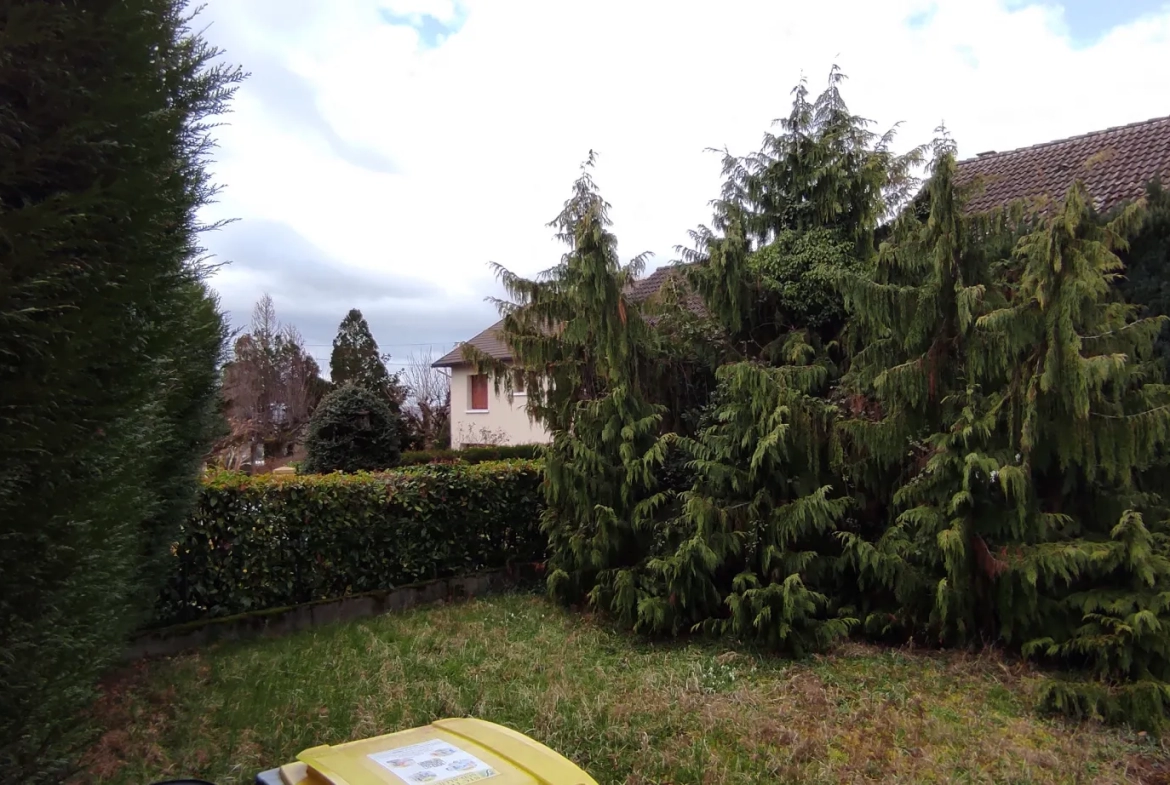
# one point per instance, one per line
(1112, 129)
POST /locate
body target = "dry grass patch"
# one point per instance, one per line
(629, 711)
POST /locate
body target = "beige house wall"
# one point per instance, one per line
(502, 417)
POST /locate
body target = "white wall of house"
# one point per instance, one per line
(478, 426)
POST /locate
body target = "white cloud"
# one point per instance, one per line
(486, 131)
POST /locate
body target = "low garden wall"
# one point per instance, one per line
(178, 638)
(256, 543)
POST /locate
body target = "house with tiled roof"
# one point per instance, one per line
(1115, 164)
(479, 414)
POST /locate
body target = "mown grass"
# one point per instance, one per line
(627, 710)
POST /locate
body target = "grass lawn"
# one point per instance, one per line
(626, 710)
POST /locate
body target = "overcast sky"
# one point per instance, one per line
(384, 151)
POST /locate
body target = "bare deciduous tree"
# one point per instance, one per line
(427, 412)
(270, 386)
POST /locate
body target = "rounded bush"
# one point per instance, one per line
(352, 430)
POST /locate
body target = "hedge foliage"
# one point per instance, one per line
(472, 455)
(110, 343)
(265, 542)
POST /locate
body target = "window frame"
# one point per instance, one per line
(471, 384)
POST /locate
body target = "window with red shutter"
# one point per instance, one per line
(479, 392)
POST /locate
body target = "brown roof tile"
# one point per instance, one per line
(489, 342)
(1115, 165)
(645, 288)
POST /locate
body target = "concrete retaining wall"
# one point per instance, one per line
(281, 621)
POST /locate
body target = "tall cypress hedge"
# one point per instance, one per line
(109, 342)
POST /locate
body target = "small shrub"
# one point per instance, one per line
(352, 430)
(264, 542)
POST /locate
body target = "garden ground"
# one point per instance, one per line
(627, 710)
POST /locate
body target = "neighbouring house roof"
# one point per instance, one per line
(490, 342)
(1115, 165)
(645, 288)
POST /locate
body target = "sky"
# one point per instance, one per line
(383, 152)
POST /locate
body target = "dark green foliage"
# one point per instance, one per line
(472, 455)
(356, 360)
(582, 349)
(959, 437)
(825, 174)
(685, 347)
(265, 542)
(1016, 404)
(751, 551)
(354, 429)
(1147, 264)
(109, 342)
(798, 274)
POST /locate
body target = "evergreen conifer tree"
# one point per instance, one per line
(755, 531)
(580, 344)
(109, 344)
(356, 359)
(914, 316)
(1013, 406)
(1147, 264)
(1089, 581)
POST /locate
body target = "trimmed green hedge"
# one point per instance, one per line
(472, 455)
(264, 542)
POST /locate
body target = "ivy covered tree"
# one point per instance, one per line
(581, 347)
(352, 430)
(824, 181)
(356, 359)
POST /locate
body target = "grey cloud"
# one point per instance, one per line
(313, 292)
(290, 98)
(282, 92)
(276, 250)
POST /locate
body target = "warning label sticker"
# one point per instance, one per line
(437, 762)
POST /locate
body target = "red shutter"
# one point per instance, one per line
(479, 397)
